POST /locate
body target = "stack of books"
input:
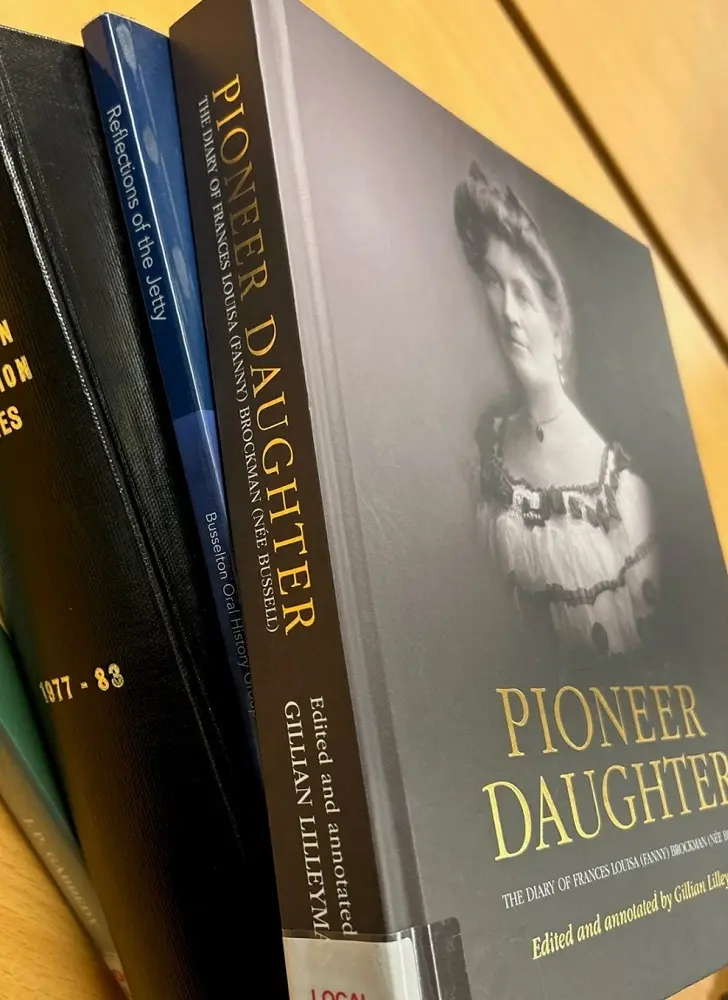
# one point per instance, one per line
(366, 616)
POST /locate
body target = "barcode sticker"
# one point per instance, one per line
(321, 969)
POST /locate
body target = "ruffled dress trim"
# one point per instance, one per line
(585, 553)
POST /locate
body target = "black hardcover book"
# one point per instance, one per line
(103, 581)
(484, 596)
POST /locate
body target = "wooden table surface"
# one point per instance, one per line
(470, 57)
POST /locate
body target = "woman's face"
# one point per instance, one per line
(525, 329)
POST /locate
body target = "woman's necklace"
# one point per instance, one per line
(538, 425)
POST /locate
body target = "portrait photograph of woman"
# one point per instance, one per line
(561, 509)
(529, 496)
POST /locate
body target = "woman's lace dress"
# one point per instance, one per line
(583, 555)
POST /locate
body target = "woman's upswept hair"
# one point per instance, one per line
(484, 211)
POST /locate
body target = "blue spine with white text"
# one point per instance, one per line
(132, 80)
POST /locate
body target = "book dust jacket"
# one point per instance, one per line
(529, 585)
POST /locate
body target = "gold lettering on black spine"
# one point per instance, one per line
(275, 501)
(14, 371)
(269, 397)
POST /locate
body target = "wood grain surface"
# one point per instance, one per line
(43, 951)
(474, 62)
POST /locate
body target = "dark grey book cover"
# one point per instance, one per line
(469, 375)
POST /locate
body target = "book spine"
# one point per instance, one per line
(51, 840)
(325, 858)
(132, 80)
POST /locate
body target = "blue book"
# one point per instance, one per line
(132, 80)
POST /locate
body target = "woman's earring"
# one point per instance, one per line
(560, 369)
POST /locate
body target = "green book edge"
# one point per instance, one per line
(18, 725)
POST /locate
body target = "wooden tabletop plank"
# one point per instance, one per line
(44, 953)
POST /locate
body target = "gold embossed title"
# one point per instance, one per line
(621, 796)
(259, 364)
(14, 371)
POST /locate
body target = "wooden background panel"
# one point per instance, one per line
(704, 376)
(474, 63)
(65, 20)
(712, 988)
(651, 76)
(44, 953)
